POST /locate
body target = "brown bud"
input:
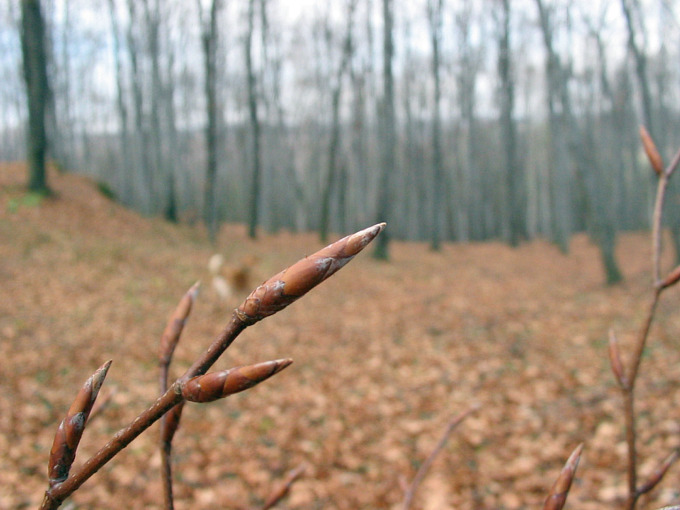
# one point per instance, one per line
(216, 385)
(560, 490)
(615, 360)
(652, 153)
(282, 490)
(671, 279)
(292, 283)
(170, 422)
(658, 474)
(71, 429)
(173, 328)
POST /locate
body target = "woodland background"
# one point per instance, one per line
(254, 123)
(384, 355)
(453, 120)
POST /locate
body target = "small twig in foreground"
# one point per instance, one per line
(425, 466)
(627, 379)
(560, 489)
(170, 421)
(282, 490)
(270, 297)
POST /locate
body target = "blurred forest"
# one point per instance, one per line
(453, 120)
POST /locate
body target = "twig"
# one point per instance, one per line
(270, 297)
(283, 489)
(170, 421)
(627, 383)
(425, 466)
(560, 489)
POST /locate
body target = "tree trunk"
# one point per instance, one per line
(387, 130)
(255, 134)
(209, 36)
(559, 113)
(37, 91)
(516, 203)
(435, 14)
(126, 184)
(334, 143)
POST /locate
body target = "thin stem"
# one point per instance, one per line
(166, 446)
(166, 474)
(55, 495)
(629, 412)
(220, 344)
(425, 466)
(628, 389)
(656, 227)
(642, 340)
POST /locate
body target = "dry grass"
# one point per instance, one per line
(384, 355)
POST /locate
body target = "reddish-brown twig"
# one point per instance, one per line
(170, 421)
(283, 489)
(273, 295)
(628, 380)
(560, 489)
(427, 464)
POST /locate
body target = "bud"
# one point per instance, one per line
(216, 385)
(283, 489)
(71, 429)
(658, 475)
(173, 328)
(560, 490)
(292, 283)
(652, 153)
(615, 360)
(671, 279)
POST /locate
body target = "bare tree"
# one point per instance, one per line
(255, 130)
(514, 177)
(37, 91)
(334, 143)
(142, 170)
(388, 131)
(209, 35)
(559, 111)
(435, 14)
(121, 107)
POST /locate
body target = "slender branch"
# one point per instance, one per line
(425, 466)
(628, 389)
(272, 296)
(656, 226)
(59, 492)
(55, 495)
(282, 490)
(170, 421)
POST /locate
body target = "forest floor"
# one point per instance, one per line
(385, 354)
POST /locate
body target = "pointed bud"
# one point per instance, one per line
(173, 328)
(71, 429)
(671, 279)
(615, 360)
(658, 475)
(216, 385)
(292, 283)
(560, 490)
(652, 153)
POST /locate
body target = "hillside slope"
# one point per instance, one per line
(384, 355)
